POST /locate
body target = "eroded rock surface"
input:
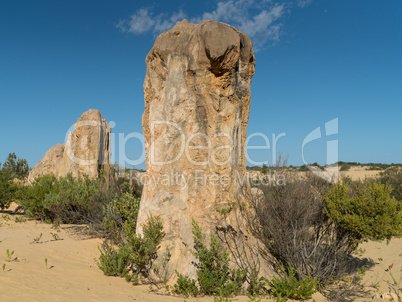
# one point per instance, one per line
(197, 103)
(49, 164)
(87, 150)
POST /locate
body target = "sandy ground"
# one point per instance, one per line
(361, 172)
(355, 173)
(387, 262)
(71, 273)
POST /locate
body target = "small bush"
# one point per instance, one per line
(245, 251)
(365, 212)
(112, 262)
(213, 272)
(185, 286)
(73, 200)
(214, 275)
(213, 267)
(291, 223)
(7, 190)
(315, 226)
(122, 185)
(31, 197)
(16, 167)
(257, 286)
(108, 209)
(134, 259)
(120, 218)
(143, 249)
(264, 169)
(289, 287)
(303, 168)
(161, 269)
(393, 177)
(345, 168)
(12, 168)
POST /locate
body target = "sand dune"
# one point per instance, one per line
(361, 173)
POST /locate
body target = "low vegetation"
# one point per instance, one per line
(393, 177)
(365, 212)
(135, 259)
(13, 168)
(214, 276)
(112, 262)
(308, 228)
(288, 286)
(120, 216)
(7, 190)
(110, 209)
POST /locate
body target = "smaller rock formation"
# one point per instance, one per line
(49, 164)
(87, 150)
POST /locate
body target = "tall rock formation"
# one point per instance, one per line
(197, 103)
(86, 151)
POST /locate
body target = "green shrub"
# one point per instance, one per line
(7, 190)
(213, 272)
(213, 267)
(134, 259)
(303, 168)
(16, 167)
(112, 262)
(65, 199)
(120, 218)
(143, 249)
(257, 286)
(264, 169)
(366, 212)
(324, 221)
(345, 168)
(185, 286)
(72, 200)
(122, 185)
(288, 286)
(110, 209)
(31, 197)
(393, 177)
(12, 168)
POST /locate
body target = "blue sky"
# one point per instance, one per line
(316, 60)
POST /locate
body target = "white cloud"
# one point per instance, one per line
(143, 21)
(140, 22)
(162, 24)
(226, 11)
(303, 3)
(259, 19)
(232, 12)
(262, 26)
